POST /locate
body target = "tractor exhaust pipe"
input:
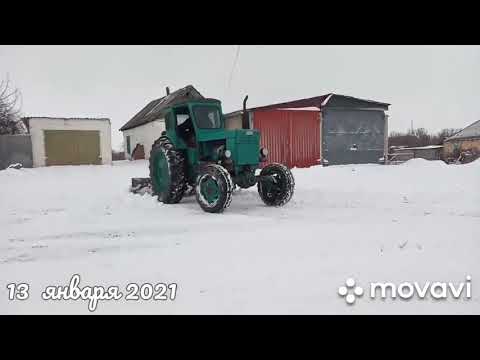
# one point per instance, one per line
(245, 120)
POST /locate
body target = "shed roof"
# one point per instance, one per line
(63, 118)
(318, 102)
(26, 119)
(471, 131)
(154, 108)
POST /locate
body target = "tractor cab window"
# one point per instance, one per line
(185, 128)
(207, 117)
(181, 118)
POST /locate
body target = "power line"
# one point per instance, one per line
(233, 67)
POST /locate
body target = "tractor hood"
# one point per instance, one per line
(240, 135)
(246, 136)
(213, 134)
(244, 144)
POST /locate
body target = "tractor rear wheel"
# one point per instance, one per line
(167, 171)
(214, 188)
(276, 185)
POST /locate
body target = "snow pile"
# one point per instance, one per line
(413, 222)
(475, 163)
(420, 163)
(11, 172)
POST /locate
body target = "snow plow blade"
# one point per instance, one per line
(141, 186)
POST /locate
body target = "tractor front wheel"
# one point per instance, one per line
(214, 188)
(276, 185)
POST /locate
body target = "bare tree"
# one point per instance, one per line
(419, 137)
(10, 122)
(446, 133)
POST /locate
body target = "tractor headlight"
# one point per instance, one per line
(227, 154)
(264, 152)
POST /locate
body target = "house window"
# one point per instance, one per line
(128, 145)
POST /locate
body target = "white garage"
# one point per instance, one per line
(70, 141)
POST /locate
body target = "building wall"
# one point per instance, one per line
(15, 149)
(320, 125)
(385, 145)
(145, 135)
(451, 148)
(233, 122)
(428, 154)
(38, 125)
(270, 128)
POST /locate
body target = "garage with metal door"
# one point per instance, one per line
(70, 141)
(72, 147)
(329, 129)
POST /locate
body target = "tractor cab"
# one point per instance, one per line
(189, 122)
(198, 128)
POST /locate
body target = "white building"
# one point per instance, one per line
(70, 141)
(141, 131)
(143, 135)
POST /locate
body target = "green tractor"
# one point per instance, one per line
(197, 151)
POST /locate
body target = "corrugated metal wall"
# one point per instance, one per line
(291, 136)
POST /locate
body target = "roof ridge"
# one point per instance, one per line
(314, 101)
(149, 112)
(362, 99)
(291, 101)
(66, 118)
(459, 134)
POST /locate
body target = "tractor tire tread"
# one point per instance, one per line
(176, 165)
(282, 198)
(227, 187)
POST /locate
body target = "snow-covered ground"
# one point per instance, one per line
(419, 221)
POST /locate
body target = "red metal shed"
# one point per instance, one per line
(292, 137)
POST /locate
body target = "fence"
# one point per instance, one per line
(15, 149)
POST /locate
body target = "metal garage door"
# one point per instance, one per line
(353, 136)
(72, 147)
(291, 136)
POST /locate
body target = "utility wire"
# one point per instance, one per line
(233, 67)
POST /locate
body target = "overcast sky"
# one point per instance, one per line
(435, 86)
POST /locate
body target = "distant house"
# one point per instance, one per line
(69, 141)
(330, 129)
(141, 131)
(465, 141)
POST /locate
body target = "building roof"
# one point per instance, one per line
(26, 119)
(154, 108)
(471, 131)
(318, 102)
(428, 147)
(62, 118)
